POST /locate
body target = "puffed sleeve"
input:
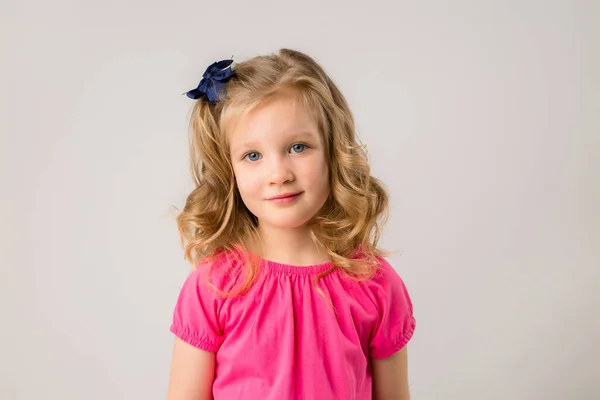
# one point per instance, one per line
(196, 314)
(395, 324)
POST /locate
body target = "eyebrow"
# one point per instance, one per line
(295, 136)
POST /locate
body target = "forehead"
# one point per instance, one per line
(279, 117)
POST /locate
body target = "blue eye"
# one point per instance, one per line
(298, 147)
(252, 156)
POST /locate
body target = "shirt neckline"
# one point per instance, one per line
(289, 269)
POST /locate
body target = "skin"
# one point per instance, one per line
(390, 377)
(277, 148)
(192, 373)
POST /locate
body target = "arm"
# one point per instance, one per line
(192, 373)
(390, 377)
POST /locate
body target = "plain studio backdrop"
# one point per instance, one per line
(481, 117)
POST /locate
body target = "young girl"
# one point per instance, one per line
(290, 297)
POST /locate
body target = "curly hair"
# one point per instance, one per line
(215, 220)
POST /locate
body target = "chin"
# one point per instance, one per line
(284, 222)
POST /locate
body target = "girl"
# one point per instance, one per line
(290, 297)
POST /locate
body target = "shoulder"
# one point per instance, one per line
(386, 276)
(209, 282)
(388, 286)
(222, 271)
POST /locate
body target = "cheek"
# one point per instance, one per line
(245, 181)
(320, 176)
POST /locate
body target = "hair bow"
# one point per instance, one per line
(213, 81)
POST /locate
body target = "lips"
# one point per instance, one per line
(284, 196)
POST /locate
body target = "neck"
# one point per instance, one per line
(289, 246)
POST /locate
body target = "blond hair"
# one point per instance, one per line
(215, 220)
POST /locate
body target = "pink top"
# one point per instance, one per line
(282, 340)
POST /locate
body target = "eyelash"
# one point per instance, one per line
(295, 144)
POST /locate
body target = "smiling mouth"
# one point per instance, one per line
(285, 196)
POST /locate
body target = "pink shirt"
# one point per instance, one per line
(282, 340)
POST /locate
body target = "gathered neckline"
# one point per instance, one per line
(289, 269)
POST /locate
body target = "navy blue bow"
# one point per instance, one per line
(213, 81)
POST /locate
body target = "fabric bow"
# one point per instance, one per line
(213, 81)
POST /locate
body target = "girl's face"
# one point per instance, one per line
(277, 150)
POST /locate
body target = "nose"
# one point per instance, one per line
(280, 171)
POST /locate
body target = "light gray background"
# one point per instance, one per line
(482, 118)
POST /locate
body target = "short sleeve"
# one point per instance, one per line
(395, 324)
(196, 314)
